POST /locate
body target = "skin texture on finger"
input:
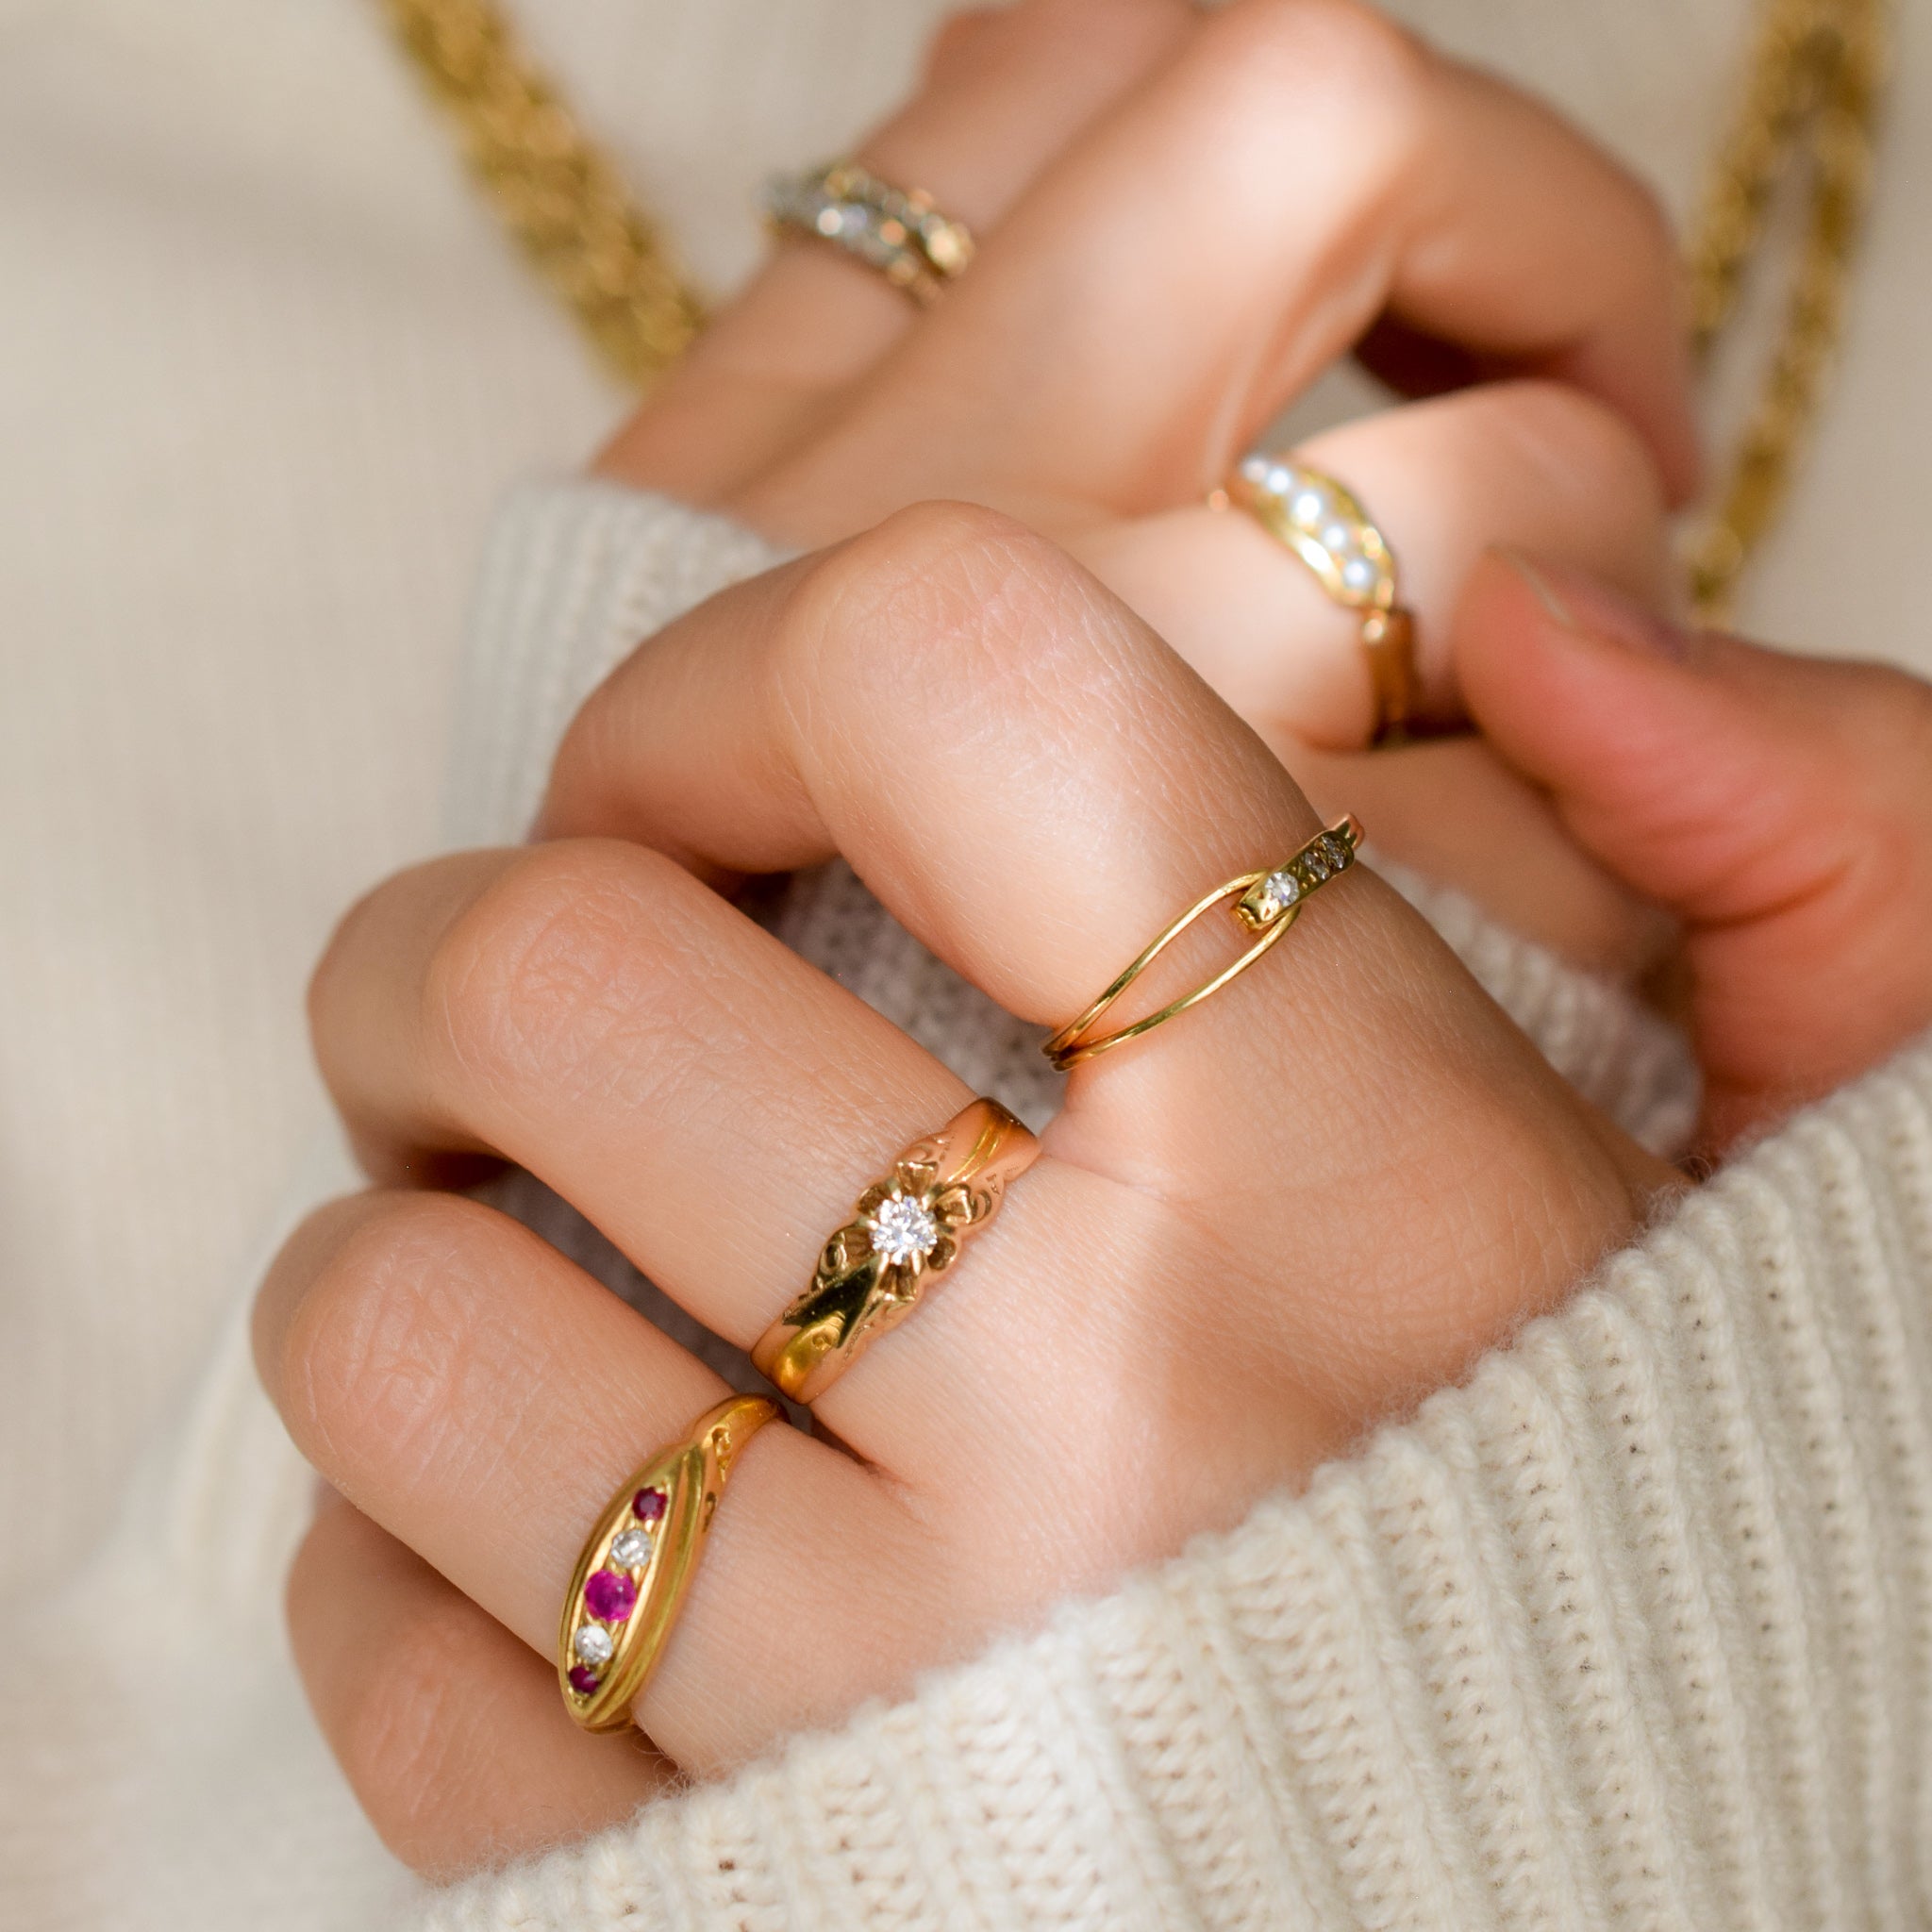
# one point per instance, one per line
(1780, 805)
(481, 1399)
(451, 1733)
(1005, 90)
(1445, 480)
(1220, 237)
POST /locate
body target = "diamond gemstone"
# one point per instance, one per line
(1358, 573)
(631, 1550)
(1279, 890)
(593, 1644)
(903, 1228)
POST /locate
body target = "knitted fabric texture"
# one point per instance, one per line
(1635, 1629)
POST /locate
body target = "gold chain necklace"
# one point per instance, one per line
(556, 192)
(1811, 101)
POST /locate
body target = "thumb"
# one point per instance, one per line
(1780, 805)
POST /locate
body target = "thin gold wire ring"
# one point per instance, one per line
(1267, 902)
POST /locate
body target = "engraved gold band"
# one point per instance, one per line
(907, 1228)
(1317, 519)
(638, 1563)
(1266, 903)
(895, 230)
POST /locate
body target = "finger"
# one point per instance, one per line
(1780, 805)
(1299, 167)
(1005, 90)
(451, 1733)
(481, 1399)
(1445, 480)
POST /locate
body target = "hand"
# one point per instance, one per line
(1249, 1235)
(1779, 806)
(1184, 218)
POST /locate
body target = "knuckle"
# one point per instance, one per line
(541, 976)
(372, 1362)
(990, 42)
(952, 45)
(939, 595)
(1342, 57)
(360, 960)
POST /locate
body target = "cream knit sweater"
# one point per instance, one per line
(1635, 1629)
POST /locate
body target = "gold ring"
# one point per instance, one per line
(638, 1563)
(895, 230)
(911, 1226)
(1267, 902)
(1323, 523)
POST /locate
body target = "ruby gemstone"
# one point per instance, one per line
(647, 1505)
(611, 1596)
(583, 1679)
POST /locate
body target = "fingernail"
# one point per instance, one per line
(1592, 609)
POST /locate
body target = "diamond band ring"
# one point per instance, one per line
(638, 1563)
(1266, 904)
(897, 231)
(908, 1226)
(1317, 519)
